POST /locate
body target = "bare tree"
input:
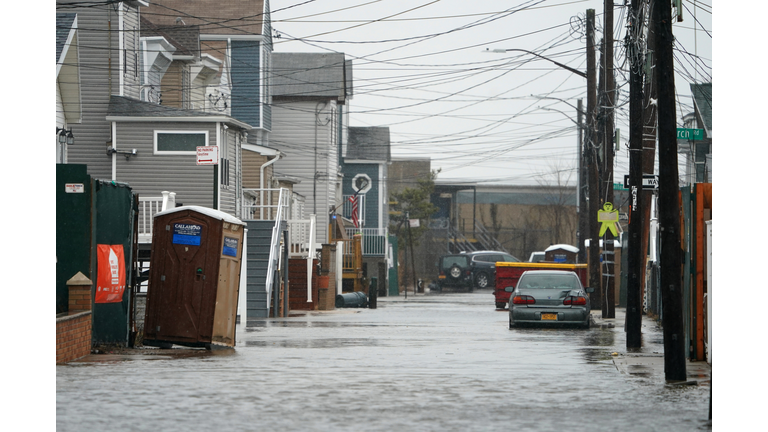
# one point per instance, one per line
(560, 209)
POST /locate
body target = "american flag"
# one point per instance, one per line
(355, 219)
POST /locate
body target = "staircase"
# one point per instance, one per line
(257, 261)
(483, 240)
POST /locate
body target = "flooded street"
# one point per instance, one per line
(443, 362)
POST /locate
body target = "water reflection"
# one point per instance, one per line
(314, 343)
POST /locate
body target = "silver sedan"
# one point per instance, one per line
(549, 297)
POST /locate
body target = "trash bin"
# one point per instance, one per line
(373, 293)
(350, 300)
(194, 278)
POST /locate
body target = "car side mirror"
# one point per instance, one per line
(509, 289)
(590, 290)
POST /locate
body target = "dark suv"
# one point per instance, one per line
(454, 271)
(484, 266)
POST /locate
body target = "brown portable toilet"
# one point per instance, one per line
(561, 254)
(194, 278)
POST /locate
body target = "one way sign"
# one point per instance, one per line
(650, 182)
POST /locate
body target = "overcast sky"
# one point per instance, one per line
(422, 68)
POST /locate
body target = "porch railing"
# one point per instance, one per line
(148, 207)
(374, 240)
(265, 204)
(347, 208)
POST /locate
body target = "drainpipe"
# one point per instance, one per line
(114, 155)
(261, 184)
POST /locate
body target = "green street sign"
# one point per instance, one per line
(690, 134)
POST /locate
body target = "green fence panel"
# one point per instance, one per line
(113, 225)
(73, 228)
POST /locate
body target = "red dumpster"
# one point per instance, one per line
(507, 274)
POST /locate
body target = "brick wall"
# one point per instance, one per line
(73, 329)
(73, 336)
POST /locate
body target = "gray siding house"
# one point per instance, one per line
(236, 33)
(108, 53)
(165, 158)
(68, 101)
(309, 94)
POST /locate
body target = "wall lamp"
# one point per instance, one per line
(127, 153)
(65, 136)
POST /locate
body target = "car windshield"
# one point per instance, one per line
(451, 260)
(550, 281)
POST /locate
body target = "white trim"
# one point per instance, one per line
(170, 153)
(264, 151)
(67, 44)
(366, 188)
(218, 171)
(185, 119)
(120, 49)
(364, 161)
(215, 37)
(381, 197)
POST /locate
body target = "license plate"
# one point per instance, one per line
(441, 276)
(549, 317)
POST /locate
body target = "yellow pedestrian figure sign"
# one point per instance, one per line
(609, 218)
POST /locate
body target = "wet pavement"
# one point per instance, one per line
(443, 362)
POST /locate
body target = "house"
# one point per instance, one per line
(69, 108)
(236, 33)
(364, 165)
(698, 149)
(309, 94)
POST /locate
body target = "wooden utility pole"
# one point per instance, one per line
(608, 96)
(669, 201)
(650, 115)
(596, 299)
(582, 196)
(636, 219)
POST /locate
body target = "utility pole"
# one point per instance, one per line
(636, 220)
(608, 93)
(669, 204)
(591, 155)
(580, 195)
(650, 116)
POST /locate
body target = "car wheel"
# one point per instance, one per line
(511, 324)
(500, 305)
(481, 280)
(455, 271)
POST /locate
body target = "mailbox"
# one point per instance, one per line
(194, 278)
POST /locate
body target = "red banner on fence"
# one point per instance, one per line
(110, 283)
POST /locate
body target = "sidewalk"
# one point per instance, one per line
(647, 361)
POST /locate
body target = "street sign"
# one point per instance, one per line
(208, 155)
(690, 134)
(650, 182)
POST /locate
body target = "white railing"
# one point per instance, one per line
(301, 235)
(374, 240)
(265, 204)
(274, 247)
(148, 207)
(347, 208)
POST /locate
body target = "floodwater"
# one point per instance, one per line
(443, 362)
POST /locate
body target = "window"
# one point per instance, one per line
(179, 142)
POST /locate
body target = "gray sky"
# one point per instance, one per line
(421, 68)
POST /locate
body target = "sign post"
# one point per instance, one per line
(209, 155)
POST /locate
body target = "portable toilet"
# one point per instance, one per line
(561, 254)
(194, 278)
